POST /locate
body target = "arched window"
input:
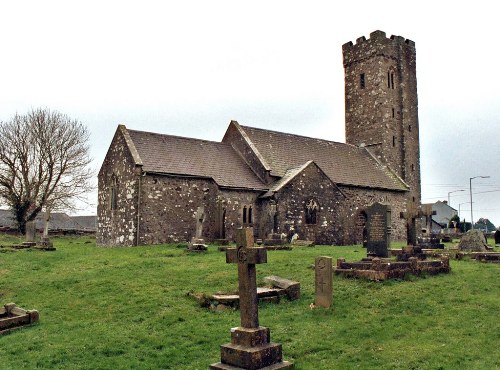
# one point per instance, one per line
(245, 214)
(311, 212)
(250, 215)
(113, 203)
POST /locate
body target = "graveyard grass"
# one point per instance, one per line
(128, 308)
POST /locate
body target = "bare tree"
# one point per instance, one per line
(44, 163)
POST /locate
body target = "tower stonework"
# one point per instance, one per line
(381, 104)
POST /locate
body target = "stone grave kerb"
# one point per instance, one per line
(250, 346)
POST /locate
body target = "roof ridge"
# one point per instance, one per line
(299, 136)
(178, 137)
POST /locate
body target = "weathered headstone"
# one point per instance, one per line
(323, 281)
(197, 243)
(378, 228)
(250, 346)
(30, 231)
(497, 236)
(473, 241)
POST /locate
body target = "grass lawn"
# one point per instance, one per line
(127, 308)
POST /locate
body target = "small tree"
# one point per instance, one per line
(454, 222)
(44, 159)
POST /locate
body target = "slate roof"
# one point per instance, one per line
(58, 221)
(177, 155)
(87, 223)
(342, 163)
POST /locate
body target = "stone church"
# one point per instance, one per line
(157, 188)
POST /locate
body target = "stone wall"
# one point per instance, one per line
(291, 207)
(359, 199)
(117, 226)
(169, 206)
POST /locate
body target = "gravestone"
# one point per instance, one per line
(473, 241)
(497, 236)
(30, 231)
(323, 281)
(378, 228)
(197, 243)
(250, 346)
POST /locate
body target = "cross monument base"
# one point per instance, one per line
(250, 348)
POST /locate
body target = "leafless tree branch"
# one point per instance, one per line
(44, 163)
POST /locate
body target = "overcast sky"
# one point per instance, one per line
(188, 67)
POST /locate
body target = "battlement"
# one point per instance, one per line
(376, 37)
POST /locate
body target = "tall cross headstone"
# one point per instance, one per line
(197, 243)
(250, 346)
(378, 228)
(323, 281)
(200, 218)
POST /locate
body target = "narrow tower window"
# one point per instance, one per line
(394, 141)
(362, 80)
(245, 215)
(393, 115)
(389, 80)
(392, 80)
(409, 128)
(250, 215)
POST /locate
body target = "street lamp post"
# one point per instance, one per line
(470, 190)
(454, 191)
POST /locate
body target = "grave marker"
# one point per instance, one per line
(323, 281)
(250, 346)
(378, 228)
(30, 231)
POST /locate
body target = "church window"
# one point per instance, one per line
(393, 113)
(311, 212)
(362, 80)
(394, 141)
(389, 80)
(113, 193)
(247, 215)
(392, 80)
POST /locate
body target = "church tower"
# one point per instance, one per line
(381, 105)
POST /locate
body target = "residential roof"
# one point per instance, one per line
(177, 155)
(342, 163)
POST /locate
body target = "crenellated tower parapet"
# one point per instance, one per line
(381, 103)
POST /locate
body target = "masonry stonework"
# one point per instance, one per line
(117, 223)
(381, 103)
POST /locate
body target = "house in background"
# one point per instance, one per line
(442, 213)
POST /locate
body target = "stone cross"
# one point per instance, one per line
(247, 256)
(250, 346)
(323, 281)
(200, 218)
